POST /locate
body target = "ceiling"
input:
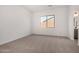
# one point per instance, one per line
(37, 8)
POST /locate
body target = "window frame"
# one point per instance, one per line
(47, 20)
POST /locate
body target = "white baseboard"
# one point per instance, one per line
(51, 35)
(5, 42)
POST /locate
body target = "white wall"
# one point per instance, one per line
(15, 22)
(71, 26)
(61, 28)
(72, 9)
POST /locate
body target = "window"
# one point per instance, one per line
(48, 21)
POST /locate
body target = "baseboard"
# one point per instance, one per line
(71, 38)
(51, 35)
(14, 39)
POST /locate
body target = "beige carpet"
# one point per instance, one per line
(40, 44)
